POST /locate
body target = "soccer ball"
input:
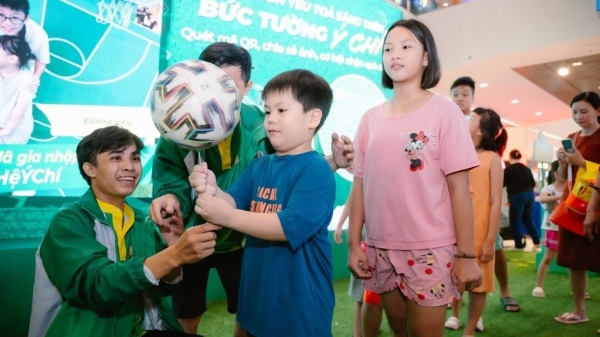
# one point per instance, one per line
(195, 104)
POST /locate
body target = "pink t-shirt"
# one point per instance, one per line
(404, 161)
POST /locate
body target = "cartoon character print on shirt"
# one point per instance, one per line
(413, 148)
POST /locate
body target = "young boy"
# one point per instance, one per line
(107, 269)
(463, 92)
(171, 188)
(284, 204)
(14, 20)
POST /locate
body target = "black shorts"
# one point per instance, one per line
(190, 300)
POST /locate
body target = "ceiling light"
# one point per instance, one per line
(445, 4)
(563, 71)
(576, 64)
(514, 101)
(483, 85)
(539, 113)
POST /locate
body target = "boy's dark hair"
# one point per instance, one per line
(589, 97)
(17, 46)
(308, 88)
(433, 71)
(110, 138)
(466, 81)
(16, 5)
(553, 168)
(228, 54)
(493, 133)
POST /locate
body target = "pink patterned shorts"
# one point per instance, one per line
(423, 275)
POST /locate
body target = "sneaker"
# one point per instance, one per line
(479, 326)
(452, 323)
(538, 292)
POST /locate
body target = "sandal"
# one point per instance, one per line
(538, 292)
(452, 323)
(570, 318)
(479, 326)
(508, 303)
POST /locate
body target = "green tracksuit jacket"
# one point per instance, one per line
(102, 297)
(172, 165)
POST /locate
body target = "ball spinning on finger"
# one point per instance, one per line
(195, 104)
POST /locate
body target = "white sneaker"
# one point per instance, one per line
(538, 292)
(479, 326)
(452, 323)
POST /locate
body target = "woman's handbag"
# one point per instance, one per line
(570, 214)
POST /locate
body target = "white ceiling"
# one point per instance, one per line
(486, 39)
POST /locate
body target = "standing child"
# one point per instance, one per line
(410, 176)
(16, 120)
(284, 205)
(489, 138)
(549, 196)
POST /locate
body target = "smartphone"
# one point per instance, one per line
(567, 145)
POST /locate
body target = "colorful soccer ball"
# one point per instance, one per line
(195, 104)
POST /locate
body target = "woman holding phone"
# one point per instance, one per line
(577, 253)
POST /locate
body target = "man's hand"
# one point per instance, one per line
(203, 180)
(196, 243)
(165, 211)
(342, 150)
(172, 231)
(213, 209)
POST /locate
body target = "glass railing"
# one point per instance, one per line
(424, 6)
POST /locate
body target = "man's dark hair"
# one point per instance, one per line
(110, 138)
(228, 54)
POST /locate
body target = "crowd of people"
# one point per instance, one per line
(105, 268)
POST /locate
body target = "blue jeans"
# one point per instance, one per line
(521, 209)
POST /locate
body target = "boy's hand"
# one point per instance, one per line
(342, 150)
(466, 275)
(337, 236)
(213, 209)
(196, 243)
(357, 263)
(165, 211)
(203, 180)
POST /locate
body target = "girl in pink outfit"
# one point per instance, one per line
(413, 153)
(489, 138)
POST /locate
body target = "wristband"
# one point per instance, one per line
(465, 256)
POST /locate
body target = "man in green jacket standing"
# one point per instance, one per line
(104, 269)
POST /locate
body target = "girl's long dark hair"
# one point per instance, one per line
(14, 45)
(493, 133)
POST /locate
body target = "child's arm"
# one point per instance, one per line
(466, 275)
(342, 150)
(357, 259)
(218, 207)
(337, 237)
(16, 116)
(546, 197)
(496, 182)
